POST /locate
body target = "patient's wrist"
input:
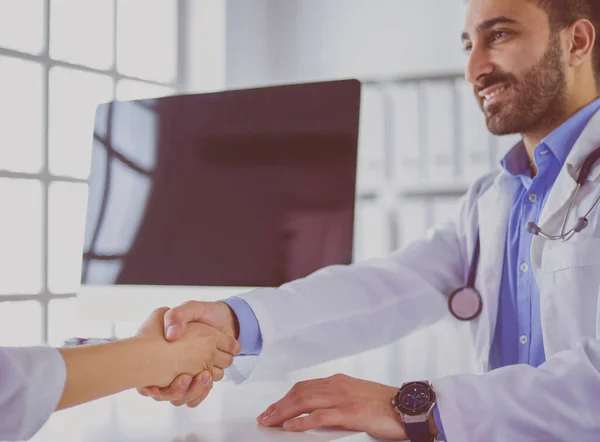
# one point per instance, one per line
(159, 358)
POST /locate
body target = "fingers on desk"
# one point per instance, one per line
(318, 419)
(304, 397)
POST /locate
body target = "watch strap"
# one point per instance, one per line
(418, 431)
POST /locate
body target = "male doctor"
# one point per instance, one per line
(535, 70)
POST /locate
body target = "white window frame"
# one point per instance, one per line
(44, 297)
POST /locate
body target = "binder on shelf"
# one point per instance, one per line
(372, 231)
(371, 140)
(406, 142)
(442, 210)
(412, 221)
(476, 147)
(439, 130)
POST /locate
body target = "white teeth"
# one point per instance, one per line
(496, 92)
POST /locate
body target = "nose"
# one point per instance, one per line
(479, 66)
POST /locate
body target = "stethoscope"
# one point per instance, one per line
(466, 303)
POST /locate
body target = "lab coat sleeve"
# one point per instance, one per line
(558, 401)
(343, 310)
(32, 380)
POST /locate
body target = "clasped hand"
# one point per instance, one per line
(191, 362)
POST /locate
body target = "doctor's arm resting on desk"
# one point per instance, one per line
(557, 401)
(35, 381)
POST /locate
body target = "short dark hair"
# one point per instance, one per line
(563, 13)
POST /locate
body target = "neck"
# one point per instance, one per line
(533, 137)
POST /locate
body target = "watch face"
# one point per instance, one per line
(415, 398)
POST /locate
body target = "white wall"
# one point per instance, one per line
(298, 40)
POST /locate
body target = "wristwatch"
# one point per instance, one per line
(413, 403)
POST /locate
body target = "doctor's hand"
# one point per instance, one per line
(337, 401)
(187, 389)
(216, 314)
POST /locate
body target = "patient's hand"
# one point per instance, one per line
(184, 389)
(196, 354)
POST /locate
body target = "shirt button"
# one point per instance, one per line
(532, 197)
(524, 267)
(543, 151)
(523, 339)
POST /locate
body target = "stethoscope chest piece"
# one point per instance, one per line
(465, 304)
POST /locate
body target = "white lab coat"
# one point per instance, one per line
(343, 310)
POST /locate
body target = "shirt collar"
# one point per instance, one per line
(516, 161)
(559, 142)
(563, 138)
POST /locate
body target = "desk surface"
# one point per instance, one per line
(228, 415)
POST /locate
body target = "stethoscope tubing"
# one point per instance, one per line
(533, 228)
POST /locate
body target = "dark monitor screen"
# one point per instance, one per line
(246, 188)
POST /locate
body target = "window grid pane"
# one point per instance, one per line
(21, 101)
(20, 323)
(82, 32)
(66, 218)
(22, 25)
(150, 52)
(73, 98)
(20, 236)
(32, 36)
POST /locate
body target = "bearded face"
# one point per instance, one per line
(521, 102)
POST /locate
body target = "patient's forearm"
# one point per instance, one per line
(95, 371)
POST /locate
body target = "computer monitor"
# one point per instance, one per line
(244, 188)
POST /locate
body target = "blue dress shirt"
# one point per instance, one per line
(518, 335)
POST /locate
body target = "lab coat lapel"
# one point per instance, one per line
(565, 183)
(493, 209)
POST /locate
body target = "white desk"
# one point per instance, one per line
(228, 415)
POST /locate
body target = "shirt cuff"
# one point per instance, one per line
(250, 336)
(438, 423)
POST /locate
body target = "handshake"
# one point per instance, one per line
(178, 353)
(193, 344)
(203, 337)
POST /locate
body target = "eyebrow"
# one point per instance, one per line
(490, 23)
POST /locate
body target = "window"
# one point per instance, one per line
(58, 60)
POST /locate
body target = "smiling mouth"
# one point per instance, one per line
(497, 91)
(492, 96)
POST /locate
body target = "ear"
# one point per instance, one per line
(582, 36)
